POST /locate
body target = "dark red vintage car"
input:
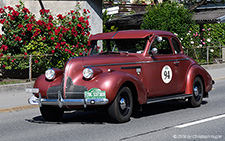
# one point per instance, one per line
(139, 67)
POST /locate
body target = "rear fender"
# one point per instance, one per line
(195, 71)
(111, 83)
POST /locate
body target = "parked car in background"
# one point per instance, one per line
(139, 67)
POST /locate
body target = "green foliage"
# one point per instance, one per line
(169, 17)
(63, 36)
(195, 42)
(106, 18)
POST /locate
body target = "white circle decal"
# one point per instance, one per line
(166, 74)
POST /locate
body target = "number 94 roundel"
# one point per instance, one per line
(166, 74)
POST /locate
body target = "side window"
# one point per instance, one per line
(176, 46)
(162, 45)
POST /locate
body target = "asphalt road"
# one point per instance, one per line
(166, 121)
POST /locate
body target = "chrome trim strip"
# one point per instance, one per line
(131, 63)
(165, 98)
(132, 67)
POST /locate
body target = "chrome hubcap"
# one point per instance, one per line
(122, 103)
(196, 92)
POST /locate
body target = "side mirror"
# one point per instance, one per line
(159, 39)
(154, 51)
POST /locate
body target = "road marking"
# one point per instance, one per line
(200, 121)
(18, 108)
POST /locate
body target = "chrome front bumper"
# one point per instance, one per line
(63, 102)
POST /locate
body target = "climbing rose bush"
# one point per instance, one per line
(62, 37)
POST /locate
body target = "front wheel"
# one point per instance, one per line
(121, 108)
(51, 113)
(198, 91)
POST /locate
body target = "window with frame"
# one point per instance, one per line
(176, 46)
(163, 46)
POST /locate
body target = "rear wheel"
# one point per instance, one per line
(198, 91)
(51, 113)
(121, 108)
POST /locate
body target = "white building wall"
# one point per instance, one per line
(62, 7)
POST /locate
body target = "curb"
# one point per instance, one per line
(15, 87)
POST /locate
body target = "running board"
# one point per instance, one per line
(170, 97)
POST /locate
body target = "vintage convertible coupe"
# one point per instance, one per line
(139, 67)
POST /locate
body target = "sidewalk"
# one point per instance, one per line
(217, 71)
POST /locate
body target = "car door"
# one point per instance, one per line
(182, 64)
(161, 68)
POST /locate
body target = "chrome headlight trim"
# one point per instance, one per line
(50, 74)
(88, 73)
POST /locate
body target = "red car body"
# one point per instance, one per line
(148, 73)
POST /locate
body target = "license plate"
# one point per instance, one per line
(95, 93)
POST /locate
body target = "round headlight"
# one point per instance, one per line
(88, 73)
(50, 74)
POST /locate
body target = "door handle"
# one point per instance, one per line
(176, 63)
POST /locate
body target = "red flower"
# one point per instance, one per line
(52, 38)
(10, 8)
(36, 61)
(85, 11)
(4, 47)
(26, 17)
(20, 26)
(60, 16)
(25, 53)
(1, 54)
(26, 10)
(60, 35)
(2, 21)
(79, 25)
(43, 39)
(88, 10)
(18, 6)
(2, 10)
(29, 27)
(80, 53)
(50, 18)
(40, 22)
(15, 13)
(81, 19)
(13, 60)
(3, 66)
(18, 38)
(53, 51)
(63, 43)
(0, 36)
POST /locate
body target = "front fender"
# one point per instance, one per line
(44, 84)
(194, 71)
(111, 83)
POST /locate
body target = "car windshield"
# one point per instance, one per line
(120, 46)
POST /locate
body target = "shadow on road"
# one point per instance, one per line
(94, 117)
